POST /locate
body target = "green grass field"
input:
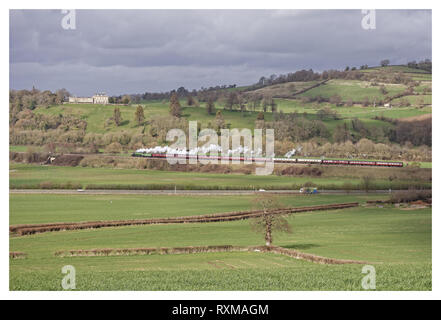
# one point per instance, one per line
(427, 165)
(363, 113)
(285, 89)
(415, 74)
(426, 99)
(33, 176)
(397, 242)
(352, 89)
(96, 115)
(397, 68)
(120, 207)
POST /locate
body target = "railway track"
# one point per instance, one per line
(293, 161)
(28, 229)
(146, 154)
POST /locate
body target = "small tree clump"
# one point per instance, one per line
(210, 106)
(190, 101)
(175, 106)
(114, 147)
(117, 118)
(139, 115)
(220, 122)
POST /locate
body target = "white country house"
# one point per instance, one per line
(99, 98)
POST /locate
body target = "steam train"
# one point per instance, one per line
(276, 160)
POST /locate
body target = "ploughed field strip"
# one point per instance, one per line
(204, 249)
(28, 229)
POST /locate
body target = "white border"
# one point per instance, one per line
(225, 4)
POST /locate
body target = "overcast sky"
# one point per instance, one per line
(125, 51)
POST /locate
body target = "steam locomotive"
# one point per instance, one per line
(276, 160)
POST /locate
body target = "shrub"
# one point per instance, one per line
(347, 186)
(309, 184)
(67, 160)
(46, 185)
(114, 147)
(411, 195)
(367, 183)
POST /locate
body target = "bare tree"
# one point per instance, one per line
(126, 99)
(62, 95)
(190, 101)
(175, 106)
(232, 100)
(117, 116)
(335, 99)
(384, 62)
(210, 107)
(270, 221)
(273, 106)
(365, 102)
(383, 90)
(266, 102)
(367, 183)
(219, 121)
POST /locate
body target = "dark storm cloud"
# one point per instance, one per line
(121, 51)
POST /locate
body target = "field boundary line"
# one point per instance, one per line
(205, 249)
(310, 87)
(28, 229)
(17, 255)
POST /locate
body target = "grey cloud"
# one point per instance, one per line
(120, 51)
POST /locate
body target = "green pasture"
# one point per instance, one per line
(415, 99)
(363, 113)
(397, 242)
(396, 68)
(352, 89)
(35, 176)
(68, 208)
(97, 115)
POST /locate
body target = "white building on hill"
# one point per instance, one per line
(99, 98)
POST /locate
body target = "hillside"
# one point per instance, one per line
(285, 90)
(353, 89)
(334, 110)
(307, 102)
(96, 115)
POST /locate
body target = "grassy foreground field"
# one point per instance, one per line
(119, 207)
(397, 242)
(34, 176)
